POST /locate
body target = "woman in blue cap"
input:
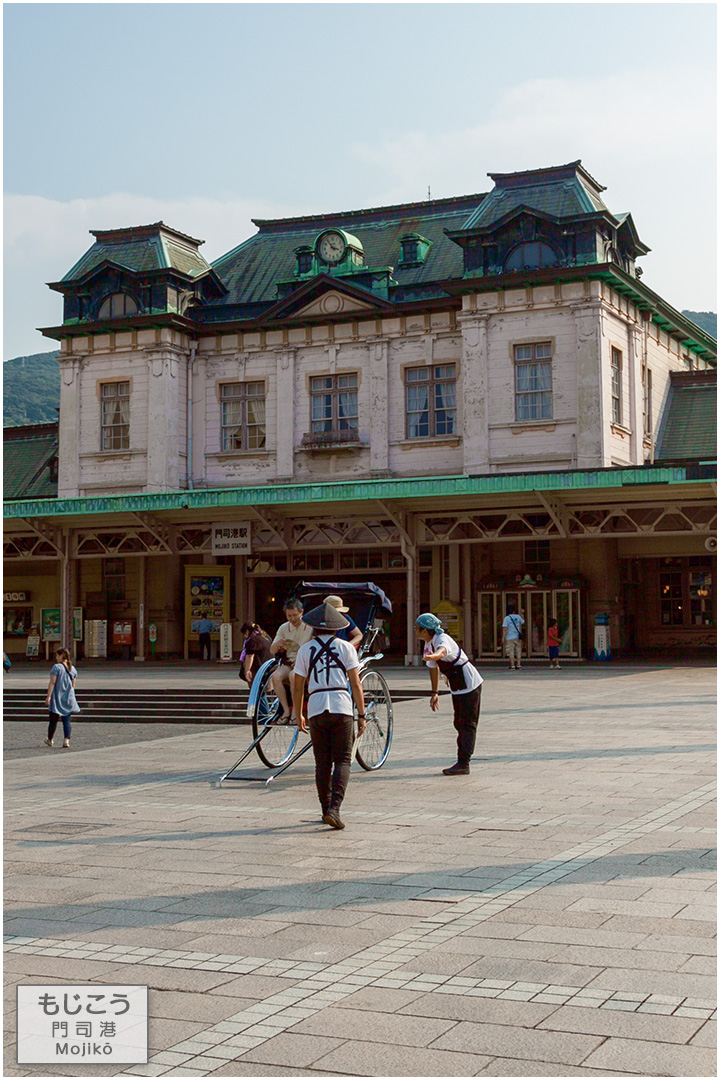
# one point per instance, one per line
(442, 654)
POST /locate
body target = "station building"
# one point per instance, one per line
(470, 401)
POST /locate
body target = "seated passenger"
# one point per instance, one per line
(256, 651)
(290, 636)
(350, 633)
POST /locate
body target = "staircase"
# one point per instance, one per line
(137, 706)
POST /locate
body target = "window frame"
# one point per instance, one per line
(431, 382)
(110, 299)
(119, 442)
(245, 426)
(616, 385)
(528, 361)
(334, 392)
(520, 249)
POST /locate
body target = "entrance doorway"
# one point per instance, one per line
(536, 606)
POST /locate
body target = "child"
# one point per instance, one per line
(60, 700)
(553, 642)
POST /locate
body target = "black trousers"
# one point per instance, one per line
(332, 738)
(205, 644)
(466, 708)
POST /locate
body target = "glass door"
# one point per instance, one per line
(517, 600)
(567, 612)
(489, 621)
(536, 627)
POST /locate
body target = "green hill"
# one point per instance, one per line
(31, 389)
(706, 320)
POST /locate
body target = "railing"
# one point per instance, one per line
(320, 440)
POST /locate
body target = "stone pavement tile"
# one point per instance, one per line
(333, 954)
(531, 971)
(479, 1009)
(175, 1005)
(439, 962)
(574, 935)
(378, 999)
(629, 958)
(251, 927)
(389, 1028)
(289, 1048)
(510, 947)
(493, 928)
(253, 986)
(58, 967)
(500, 1040)
(704, 912)
(706, 1036)
(542, 917)
(157, 937)
(169, 978)
(664, 928)
(164, 1033)
(628, 1025)
(237, 946)
(379, 1059)
(659, 982)
(702, 946)
(653, 1059)
(518, 1067)
(700, 965)
(627, 907)
(241, 1067)
(389, 924)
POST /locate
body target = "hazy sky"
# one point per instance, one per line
(206, 115)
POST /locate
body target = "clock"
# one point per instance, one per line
(331, 247)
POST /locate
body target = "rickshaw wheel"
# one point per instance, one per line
(374, 744)
(279, 743)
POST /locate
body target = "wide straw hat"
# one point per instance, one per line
(325, 617)
(336, 602)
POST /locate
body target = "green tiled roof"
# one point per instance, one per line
(250, 272)
(689, 426)
(565, 191)
(27, 453)
(143, 248)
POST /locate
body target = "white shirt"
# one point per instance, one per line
(473, 678)
(296, 635)
(513, 624)
(337, 697)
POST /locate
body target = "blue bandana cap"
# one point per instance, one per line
(430, 622)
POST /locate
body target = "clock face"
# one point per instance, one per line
(332, 247)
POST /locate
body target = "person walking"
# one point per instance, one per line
(204, 628)
(255, 652)
(512, 635)
(553, 643)
(60, 700)
(444, 656)
(329, 669)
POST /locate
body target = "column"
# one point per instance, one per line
(634, 363)
(69, 429)
(591, 412)
(379, 404)
(285, 391)
(68, 578)
(467, 599)
(409, 548)
(474, 393)
(166, 420)
(142, 611)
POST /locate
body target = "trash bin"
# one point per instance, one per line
(602, 637)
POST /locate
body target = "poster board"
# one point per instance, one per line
(450, 615)
(50, 624)
(33, 645)
(207, 596)
(77, 623)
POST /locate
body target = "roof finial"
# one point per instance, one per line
(428, 193)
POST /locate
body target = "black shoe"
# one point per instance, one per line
(457, 770)
(332, 818)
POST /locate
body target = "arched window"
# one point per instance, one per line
(531, 256)
(116, 305)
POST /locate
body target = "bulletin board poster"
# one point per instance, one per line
(50, 624)
(207, 596)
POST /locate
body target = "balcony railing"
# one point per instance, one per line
(331, 440)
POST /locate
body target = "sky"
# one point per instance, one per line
(208, 115)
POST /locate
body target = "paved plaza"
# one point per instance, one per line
(552, 914)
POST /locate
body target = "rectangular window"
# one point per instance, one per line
(334, 403)
(648, 402)
(115, 421)
(533, 381)
(537, 555)
(671, 598)
(430, 401)
(114, 575)
(243, 416)
(616, 372)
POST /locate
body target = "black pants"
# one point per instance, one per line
(53, 720)
(204, 644)
(332, 740)
(466, 708)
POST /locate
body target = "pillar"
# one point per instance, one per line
(285, 401)
(379, 405)
(590, 413)
(476, 438)
(467, 599)
(142, 611)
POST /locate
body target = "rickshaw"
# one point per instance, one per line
(274, 740)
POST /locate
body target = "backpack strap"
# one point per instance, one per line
(331, 660)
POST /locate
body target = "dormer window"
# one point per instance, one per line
(413, 249)
(304, 260)
(531, 256)
(116, 306)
